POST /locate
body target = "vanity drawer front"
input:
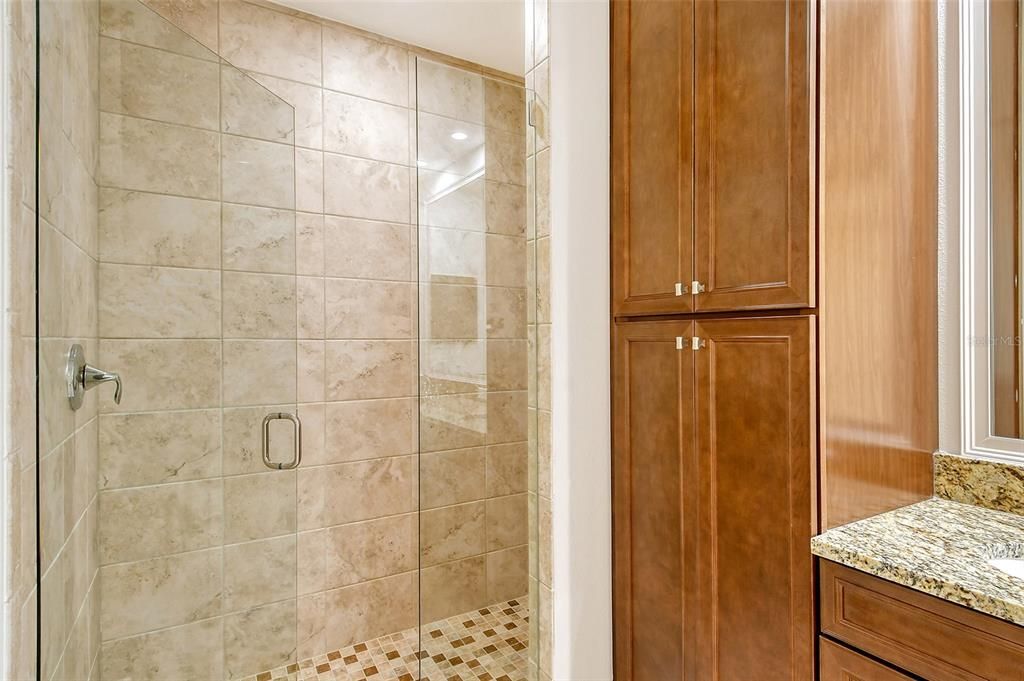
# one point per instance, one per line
(839, 663)
(922, 634)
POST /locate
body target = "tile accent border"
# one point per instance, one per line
(489, 644)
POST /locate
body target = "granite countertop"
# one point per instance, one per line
(938, 547)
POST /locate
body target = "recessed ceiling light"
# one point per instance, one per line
(459, 136)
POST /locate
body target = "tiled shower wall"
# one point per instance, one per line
(206, 279)
(68, 250)
(539, 235)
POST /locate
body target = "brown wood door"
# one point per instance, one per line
(654, 502)
(755, 416)
(753, 234)
(652, 155)
(839, 663)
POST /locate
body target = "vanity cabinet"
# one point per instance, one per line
(924, 635)
(711, 156)
(839, 663)
(713, 460)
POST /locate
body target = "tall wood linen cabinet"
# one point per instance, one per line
(761, 211)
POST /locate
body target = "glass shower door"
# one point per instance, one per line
(473, 349)
(167, 253)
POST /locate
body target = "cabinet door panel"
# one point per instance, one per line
(839, 663)
(755, 406)
(753, 232)
(652, 155)
(654, 502)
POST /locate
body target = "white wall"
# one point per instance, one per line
(581, 431)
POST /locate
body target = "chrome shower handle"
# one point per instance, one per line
(82, 377)
(92, 377)
(297, 442)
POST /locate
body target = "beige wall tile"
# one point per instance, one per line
(452, 477)
(259, 505)
(506, 365)
(132, 21)
(258, 239)
(504, 106)
(506, 160)
(159, 302)
(506, 260)
(449, 91)
(369, 309)
(507, 469)
(249, 109)
(366, 128)
(451, 532)
(56, 420)
(365, 67)
(310, 305)
(259, 639)
(258, 173)
(190, 651)
(312, 569)
(358, 552)
(506, 522)
(543, 193)
(243, 449)
(198, 18)
(145, 522)
(544, 530)
(309, 256)
(452, 421)
(506, 312)
(259, 306)
(309, 180)
(544, 453)
(362, 249)
(506, 209)
(452, 588)
(369, 489)
(163, 374)
(188, 447)
(260, 39)
(159, 85)
(307, 101)
(243, 386)
(506, 417)
(370, 609)
(78, 290)
(310, 625)
(544, 280)
(52, 611)
(451, 311)
(259, 572)
(161, 592)
(507, 574)
(158, 157)
(51, 503)
(369, 429)
(544, 366)
(359, 188)
(152, 229)
(452, 255)
(313, 429)
(360, 370)
(311, 370)
(81, 204)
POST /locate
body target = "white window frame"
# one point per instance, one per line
(975, 242)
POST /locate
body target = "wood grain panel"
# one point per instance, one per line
(878, 230)
(652, 155)
(839, 663)
(754, 243)
(1003, 84)
(922, 634)
(755, 413)
(654, 472)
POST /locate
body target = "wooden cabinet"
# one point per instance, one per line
(711, 99)
(713, 461)
(926, 636)
(839, 663)
(655, 497)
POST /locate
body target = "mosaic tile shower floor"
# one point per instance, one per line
(489, 644)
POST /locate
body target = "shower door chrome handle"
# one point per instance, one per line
(296, 429)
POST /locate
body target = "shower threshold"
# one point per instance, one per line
(489, 644)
